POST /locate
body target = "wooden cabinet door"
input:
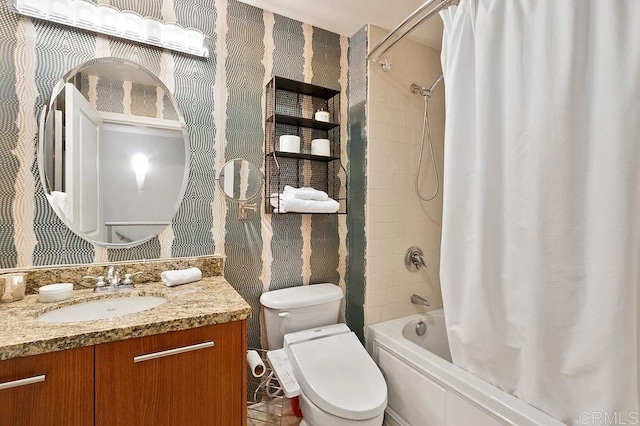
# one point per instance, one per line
(49, 389)
(183, 378)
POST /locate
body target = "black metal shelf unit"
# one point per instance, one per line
(290, 109)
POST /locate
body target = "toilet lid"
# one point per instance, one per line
(337, 374)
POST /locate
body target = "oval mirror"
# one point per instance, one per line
(240, 180)
(113, 152)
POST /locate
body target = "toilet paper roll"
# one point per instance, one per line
(290, 143)
(255, 363)
(320, 147)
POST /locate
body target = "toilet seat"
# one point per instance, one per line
(337, 374)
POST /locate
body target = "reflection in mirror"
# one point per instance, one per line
(240, 179)
(114, 152)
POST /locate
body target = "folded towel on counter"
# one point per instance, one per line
(181, 276)
(306, 193)
(290, 204)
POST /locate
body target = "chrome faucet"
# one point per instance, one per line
(113, 276)
(112, 281)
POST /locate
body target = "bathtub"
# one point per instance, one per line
(426, 389)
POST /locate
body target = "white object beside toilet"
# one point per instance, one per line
(339, 382)
(321, 147)
(290, 143)
(255, 363)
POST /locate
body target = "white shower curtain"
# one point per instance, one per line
(541, 232)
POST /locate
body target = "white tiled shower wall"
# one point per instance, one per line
(395, 218)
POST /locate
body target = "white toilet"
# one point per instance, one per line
(339, 382)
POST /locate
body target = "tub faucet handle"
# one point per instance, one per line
(414, 259)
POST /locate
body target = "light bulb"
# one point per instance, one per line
(140, 165)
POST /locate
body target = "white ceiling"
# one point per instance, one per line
(348, 16)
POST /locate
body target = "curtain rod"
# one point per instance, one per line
(413, 21)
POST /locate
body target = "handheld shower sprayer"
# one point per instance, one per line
(426, 94)
(435, 83)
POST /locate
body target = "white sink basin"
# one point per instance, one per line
(101, 309)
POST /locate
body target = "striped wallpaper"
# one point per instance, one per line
(222, 100)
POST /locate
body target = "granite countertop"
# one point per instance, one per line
(209, 301)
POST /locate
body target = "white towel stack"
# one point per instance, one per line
(303, 200)
(306, 193)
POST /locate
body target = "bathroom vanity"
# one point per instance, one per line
(182, 362)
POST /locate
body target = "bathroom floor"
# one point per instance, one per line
(258, 415)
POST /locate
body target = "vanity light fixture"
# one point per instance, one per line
(105, 19)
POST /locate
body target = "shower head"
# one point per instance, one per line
(423, 90)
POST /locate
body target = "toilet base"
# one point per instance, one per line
(315, 416)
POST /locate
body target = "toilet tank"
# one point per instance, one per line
(299, 308)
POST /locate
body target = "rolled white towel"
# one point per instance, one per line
(181, 276)
(290, 204)
(306, 193)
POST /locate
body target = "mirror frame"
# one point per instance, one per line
(240, 200)
(40, 151)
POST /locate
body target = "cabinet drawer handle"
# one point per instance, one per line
(175, 351)
(23, 382)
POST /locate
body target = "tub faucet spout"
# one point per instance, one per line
(419, 300)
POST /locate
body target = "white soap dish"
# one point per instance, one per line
(55, 292)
